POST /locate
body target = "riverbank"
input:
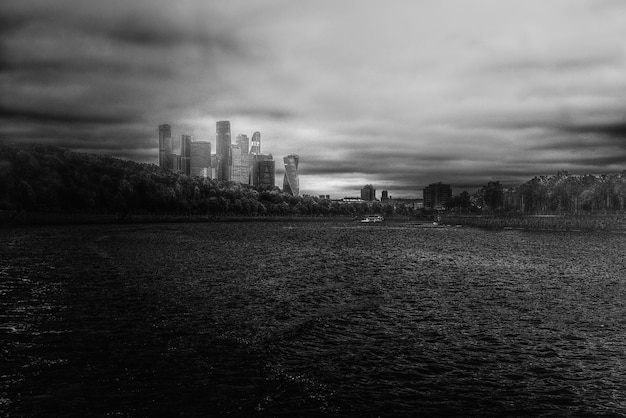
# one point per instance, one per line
(565, 222)
(569, 222)
(80, 218)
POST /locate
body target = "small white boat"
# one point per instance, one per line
(372, 219)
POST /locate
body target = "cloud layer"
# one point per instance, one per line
(396, 94)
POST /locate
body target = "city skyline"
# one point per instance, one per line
(397, 95)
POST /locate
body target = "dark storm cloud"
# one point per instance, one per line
(103, 140)
(367, 163)
(615, 130)
(62, 118)
(271, 112)
(74, 70)
(144, 23)
(147, 32)
(618, 161)
(588, 162)
(412, 171)
(404, 94)
(10, 23)
(29, 67)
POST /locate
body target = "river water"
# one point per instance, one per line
(311, 319)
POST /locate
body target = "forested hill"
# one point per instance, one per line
(562, 193)
(48, 178)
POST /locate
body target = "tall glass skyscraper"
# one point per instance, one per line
(200, 159)
(263, 172)
(185, 155)
(241, 168)
(222, 150)
(165, 146)
(291, 182)
(244, 143)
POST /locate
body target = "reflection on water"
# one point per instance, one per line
(336, 319)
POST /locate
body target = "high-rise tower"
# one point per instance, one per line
(263, 171)
(256, 143)
(185, 155)
(291, 183)
(200, 160)
(165, 146)
(222, 151)
(242, 163)
(244, 143)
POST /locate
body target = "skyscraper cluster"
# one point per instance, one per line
(240, 162)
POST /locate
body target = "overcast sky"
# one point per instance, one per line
(394, 93)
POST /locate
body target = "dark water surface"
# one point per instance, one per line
(311, 319)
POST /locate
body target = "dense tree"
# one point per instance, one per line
(562, 192)
(461, 203)
(37, 177)
(40, 177)
(493, 196)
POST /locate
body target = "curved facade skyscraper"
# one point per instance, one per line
(256, 144)
(291, 182)
(222, 150)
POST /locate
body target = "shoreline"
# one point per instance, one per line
(13, 218)
(565, 222)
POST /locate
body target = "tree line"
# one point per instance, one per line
(49, 178)
(559, 193)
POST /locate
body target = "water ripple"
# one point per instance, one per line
(315, 319)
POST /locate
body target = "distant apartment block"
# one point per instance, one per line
(368, 193)
(291, 182)
(436, 195)
(200, 159)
